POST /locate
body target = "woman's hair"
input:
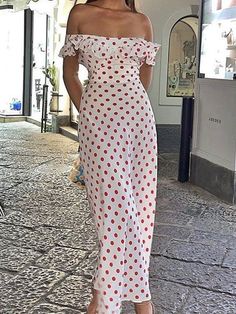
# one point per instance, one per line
(130, 3)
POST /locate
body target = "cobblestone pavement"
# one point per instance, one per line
(48, 245)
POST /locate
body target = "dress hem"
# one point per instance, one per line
(128, 299)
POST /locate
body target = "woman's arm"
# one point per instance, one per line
(146, 70)
(70, 63)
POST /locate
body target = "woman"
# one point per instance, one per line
(118, 143)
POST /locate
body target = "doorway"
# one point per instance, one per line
(43, 27)
(11, 62)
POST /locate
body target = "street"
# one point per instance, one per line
(48, 245)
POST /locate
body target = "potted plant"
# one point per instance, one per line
(52, 74)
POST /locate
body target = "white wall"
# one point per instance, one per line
(214, 135)
(164, 14)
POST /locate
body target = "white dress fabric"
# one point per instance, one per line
(119, 154)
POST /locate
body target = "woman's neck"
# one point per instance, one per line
(113, 4)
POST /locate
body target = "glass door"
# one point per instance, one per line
(39, 54)
(43, 28)
(11, 62)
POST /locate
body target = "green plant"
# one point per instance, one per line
(51, 74)
(85, 82)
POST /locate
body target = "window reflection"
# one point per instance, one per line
(182, 58)
(218, 46)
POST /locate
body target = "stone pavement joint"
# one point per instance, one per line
(48, 245)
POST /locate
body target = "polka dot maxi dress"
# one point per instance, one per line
(118, 149)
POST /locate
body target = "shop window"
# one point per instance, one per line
(182, 58)
(218, 42)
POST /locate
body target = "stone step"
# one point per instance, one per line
(69, 132)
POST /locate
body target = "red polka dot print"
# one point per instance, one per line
(119, 153)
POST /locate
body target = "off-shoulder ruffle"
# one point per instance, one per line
(151, 53)
(104, 47)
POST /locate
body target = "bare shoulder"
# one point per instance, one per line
(146, 26)
(79, 9)
(145, 21)
(77, 16)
